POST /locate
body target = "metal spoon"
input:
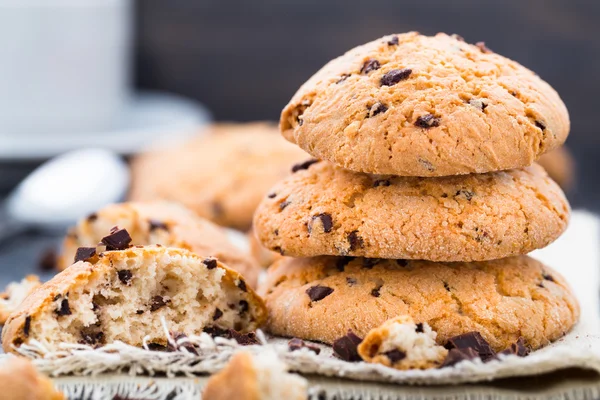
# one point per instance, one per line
(62, 190)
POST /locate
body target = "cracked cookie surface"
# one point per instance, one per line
(326, 210)
(502, 299)
(414, 105)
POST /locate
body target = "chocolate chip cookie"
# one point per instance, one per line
(221, 176)
(326, 210)
(322, 298)
(414, 105)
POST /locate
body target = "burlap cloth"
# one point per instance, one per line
(567, 369)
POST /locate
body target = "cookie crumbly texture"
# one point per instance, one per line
(326, 210)
(401, 344)
(413, 105)
(15, 293)
(122, 295)
(322, 298)
(255, 377)
(222, 176)
(20, 381)
(160, 222)
(560, 166)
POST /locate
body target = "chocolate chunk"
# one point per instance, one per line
(155, 224)
(244, 306)
(395, 76)
(64, 308)
(369, 263)
(446, 286)
(428, 166)
(377, 108)
(158, 302)
(139, 312)
(284, 204)
(483, 47)
(375, 292)
(297, 344)
(395, 355)
(92, 335)
(318, 293)
(455, 356)
(350, 281)
(382, 182)
(346, 347)
(341, 263)
(540, 125)
(272, 195)
(325, 219)
(355, 240)
(343, 77)
(402, 263)
(304, 165)
(419, 328)
(47, 260)
(467, 193)
(518, 348)
(215, 331)
(245, 339)
(157, 347)
(472, 340)
(370, 65)
(393, 41)
(211, 263)
(27, 326)
(242, 285)
(125, 276)
(217, 314)
(92, 217)
(548, 277)
(427, 121)
(118, 240)
(84, 253)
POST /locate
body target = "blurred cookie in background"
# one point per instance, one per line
(222, 176)
(263, 256)
(560, 165)
(21, 381)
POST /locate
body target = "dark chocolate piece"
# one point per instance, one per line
(326, 221)
(155, 224)
(455, 356)
(218, 314)
(393, 41)
(419, 328)
(27, 326)
(242, 285)
(427, 121)
(125, 276)
(472, 340)
(370, 65)
(304, 165)
(84, 253)
(158, 302)
(297, 344)
(395, 355)
(394, 76)
(117, 240)
(355, 240)
(518, 348)
(318, 293)
(245, 339)
(63, 308)
(244, 306)
(346, 347)
(211, 263)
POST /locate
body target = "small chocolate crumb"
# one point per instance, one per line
(92, 335)
(343, 77)
(47, 260)
(218, 314)
(211, 263)
(393, 41)
(27, 326)
(346, 347)
(276, 232)
(467, 193)
(304, 165)
(472, 340)
(377, 108)
(395, 355)
(548, 277)
(242, 285)
(483, 47)
(394, 76)
(427, 121)
(419, 328)
(245, 339)
(382, 182)
(518, 348)
(272, 195)
(446, 286)
(355, 240)
(341, 263)
(540, 125)
(158, 302)
(125, 276)
(284, 204)
(92, 217)
(325, 219)
(84, 253)
(118, 239)
(375, 292)
(297, 344)
(350, 281)
(370, 65)
(139, 312)
(318, 293)
(244, 306)
(154, 224)
(278, 249)
(455, 356)
(64, 308)
(215, 331)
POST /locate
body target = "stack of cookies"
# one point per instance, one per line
(423, 205)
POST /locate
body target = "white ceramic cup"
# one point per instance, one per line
(64, 65)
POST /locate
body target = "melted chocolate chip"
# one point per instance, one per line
(154, 224)
(244, 306)
(518, 348)
(157, 347)
(117, 240)
(394, 76)
(355, 240)
(27, 326)
(427, 121)
(370, 65)
(272, 195)
(350, 281)
(393, 41)
(318, 293)
(472, 340)
(382, 182)
(63, 308)
(158, 302)
(211, 263)
(377, 108)
(304, 165)
(242, 285)
(395, 355)
(84, 253)
(346, 347)
(284, 204)
(297, 344)
(139, 312)
(245, 339)
(125, 276)
(548, 277)
(375, 292)
(455, 356)
(92, 335)
(419, 328)
(47, 260)
(218, 314)
(325, 219)
(540, 125)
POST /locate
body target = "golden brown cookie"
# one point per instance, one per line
(322, 298)
(414, 105)
(326, 210)
(255, 377)
(221, 176)
(160, 222)
(15, 293)
(20, 381)
(560, 166)
(123, 294)
(263, 256)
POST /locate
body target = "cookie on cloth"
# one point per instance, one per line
(413, 105)
(159, 222)
(400, 343)
(255, 377)
(321, 298)
(221, 176)
(123, 294)
(21, 381)
(326, 210)
(15, 293)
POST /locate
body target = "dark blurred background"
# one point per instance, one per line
(244, 60)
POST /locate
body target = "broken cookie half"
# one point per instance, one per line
(123, 295)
